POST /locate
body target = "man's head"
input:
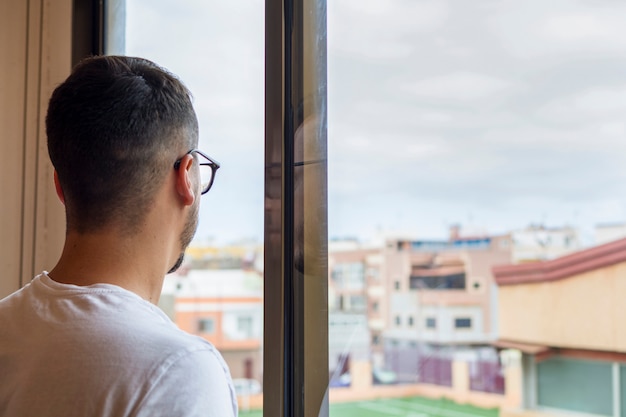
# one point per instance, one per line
(115, 128)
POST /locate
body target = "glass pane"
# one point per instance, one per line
(575, 385)
(217, 49)
(463, 136)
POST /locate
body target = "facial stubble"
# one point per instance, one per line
(187, 234)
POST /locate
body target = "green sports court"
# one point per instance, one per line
(400, 407)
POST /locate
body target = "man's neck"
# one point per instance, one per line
(136, 263)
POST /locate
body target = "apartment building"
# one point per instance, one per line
(224, 307)
(424, 302)
(356, 306)
(538, 242)
(443, 305)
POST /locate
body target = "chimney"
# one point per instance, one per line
(455, 232)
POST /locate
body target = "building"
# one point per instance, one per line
(348, 342)
(608, 232)
(443, 305)
(425, 303)
(245, 255)
(566, 317)
(540, 243)
(224, 307)
(356, 305)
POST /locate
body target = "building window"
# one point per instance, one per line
(375, 306)
(248, 366)
(349, 276)
(358, 303)
(431, 323)
(463, 323)
(430, 282)
(398, 321)
(410, 321)
(206, 325)
(397, 285)
(245, 326)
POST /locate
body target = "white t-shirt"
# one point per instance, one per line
(101, 350)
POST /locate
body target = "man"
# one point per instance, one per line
(86, 339)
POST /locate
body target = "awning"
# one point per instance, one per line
(528, 348)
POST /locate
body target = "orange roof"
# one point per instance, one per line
(563, 267)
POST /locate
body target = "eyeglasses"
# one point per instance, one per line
(207, 169)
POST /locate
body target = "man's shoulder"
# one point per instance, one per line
(145, 330)
(166, 339)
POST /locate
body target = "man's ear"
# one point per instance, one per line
(57, 186)
(185, 186)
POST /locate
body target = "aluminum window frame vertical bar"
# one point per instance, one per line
(296, 254)
(88, 29)
(114, 27)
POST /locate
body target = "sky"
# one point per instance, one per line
(491, 114)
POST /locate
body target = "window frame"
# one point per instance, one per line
(296, 237)
(204, 326)
(295, 335)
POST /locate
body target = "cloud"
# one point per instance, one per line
(375, 30)
(459, 86)
(584, 27)
(595, 104)
(531, 29)
(500, 111)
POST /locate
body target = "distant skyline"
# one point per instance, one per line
(491, 114)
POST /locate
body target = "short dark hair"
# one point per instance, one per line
(114, 128)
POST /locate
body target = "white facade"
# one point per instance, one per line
(538, 243)
(606, 233)
(348, 336)
(438, 324)
(226, 292)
